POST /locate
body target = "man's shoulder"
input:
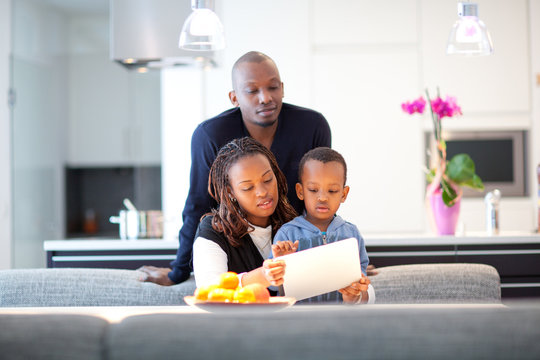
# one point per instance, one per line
(221, 128)
(304, 112)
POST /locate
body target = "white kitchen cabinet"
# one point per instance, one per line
(114, 113)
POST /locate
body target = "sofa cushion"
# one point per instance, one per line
(85, 287)
(54, 337)
(437, 283)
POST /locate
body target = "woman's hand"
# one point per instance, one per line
(156, 275)
(281, 248)
(356, 292)
(273, 271)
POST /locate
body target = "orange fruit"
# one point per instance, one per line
(201, 293)
(261, 293)
(221, 295)
(228, 280)
(244, 295)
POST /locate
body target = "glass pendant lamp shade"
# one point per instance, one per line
(469, 35)
(202, 29)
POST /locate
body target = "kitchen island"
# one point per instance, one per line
(516, 256)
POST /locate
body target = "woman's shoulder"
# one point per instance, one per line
(206, 230)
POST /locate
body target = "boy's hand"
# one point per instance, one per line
(356, 291)
(273, 271)
(281, 248)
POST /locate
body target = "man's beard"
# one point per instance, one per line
(266, 124)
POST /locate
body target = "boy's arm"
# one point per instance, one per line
(364, 258)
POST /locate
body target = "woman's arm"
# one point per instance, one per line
(271, 273)
(209, 261)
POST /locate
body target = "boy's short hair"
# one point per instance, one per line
(324, 155)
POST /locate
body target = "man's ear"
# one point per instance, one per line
(232, 97)
(299, 191)
(345, 193)
(282, 90)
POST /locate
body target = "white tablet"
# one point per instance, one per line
(321, 269)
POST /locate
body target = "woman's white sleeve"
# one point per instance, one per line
(209, 261)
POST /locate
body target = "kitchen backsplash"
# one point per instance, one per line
(93, 194)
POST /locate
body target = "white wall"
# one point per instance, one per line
(534, 78)
(5, 138)
(357, 66)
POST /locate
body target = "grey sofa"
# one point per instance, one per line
(423, 283)
(436, 330)
(307, 332)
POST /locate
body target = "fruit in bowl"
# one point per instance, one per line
(228, 290)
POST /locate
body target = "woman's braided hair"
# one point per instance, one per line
(228, 217)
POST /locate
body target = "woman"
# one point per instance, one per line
(251, 192)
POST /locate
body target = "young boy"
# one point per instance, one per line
(322, 174)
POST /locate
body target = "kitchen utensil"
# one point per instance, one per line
(129, 205)
(137, 224)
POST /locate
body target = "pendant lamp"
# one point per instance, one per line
(469, 35)
(202, 29)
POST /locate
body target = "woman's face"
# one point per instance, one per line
(254, 186)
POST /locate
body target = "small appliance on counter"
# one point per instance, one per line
(136, 224)
(492, 201)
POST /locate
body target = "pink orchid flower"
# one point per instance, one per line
(417, 106)
(446, 108)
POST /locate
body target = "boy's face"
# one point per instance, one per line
(323, 190)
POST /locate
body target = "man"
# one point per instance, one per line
(288, 131)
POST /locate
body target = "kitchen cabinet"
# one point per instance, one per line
(109, 253)
(516, 257)
(114, 113)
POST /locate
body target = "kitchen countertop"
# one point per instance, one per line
(370, 240)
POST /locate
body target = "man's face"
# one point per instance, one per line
(258, 91)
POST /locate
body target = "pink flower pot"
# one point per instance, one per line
(446, 218)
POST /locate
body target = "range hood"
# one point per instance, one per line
(145, 33)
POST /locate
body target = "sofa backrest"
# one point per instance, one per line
(437, 283)
(85, 287)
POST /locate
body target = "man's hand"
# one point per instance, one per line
(371, 270)
(156, 275)
(281, 248)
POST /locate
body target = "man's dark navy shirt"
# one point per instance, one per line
(299, 130)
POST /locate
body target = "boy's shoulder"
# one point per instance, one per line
(339, 222)
(297, 222)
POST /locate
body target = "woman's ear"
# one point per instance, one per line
(299, 191)
(345, 193)
(232, 97)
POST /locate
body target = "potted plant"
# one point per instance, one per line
(445, 178)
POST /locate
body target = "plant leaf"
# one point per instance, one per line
(461, 169)
(449, 195)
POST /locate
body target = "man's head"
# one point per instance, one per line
(257, 89)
